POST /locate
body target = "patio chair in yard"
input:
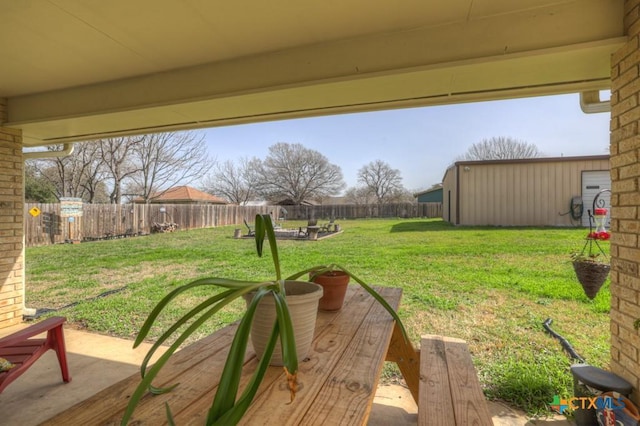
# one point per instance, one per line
(250, 231)
(326, 227)
(21, 349)
(304, 231)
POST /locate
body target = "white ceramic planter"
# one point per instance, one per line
(302, 299)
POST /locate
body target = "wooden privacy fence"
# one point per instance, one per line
(356, 211)
(47, 224)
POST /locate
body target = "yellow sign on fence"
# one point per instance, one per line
(34, 211)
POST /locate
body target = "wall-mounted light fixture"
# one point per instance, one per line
(467, 168)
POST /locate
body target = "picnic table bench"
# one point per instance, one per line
(449, 391)
(338, 379)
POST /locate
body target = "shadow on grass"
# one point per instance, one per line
(433, 225)
(422, 226)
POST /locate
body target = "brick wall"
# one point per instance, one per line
(3, 111)
(625, 202)
(11, 234)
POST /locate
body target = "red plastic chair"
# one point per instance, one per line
(22, 350)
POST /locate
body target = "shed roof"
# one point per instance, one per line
(526, 160)
(426, 191)
(534, 160)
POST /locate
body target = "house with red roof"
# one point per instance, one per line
(182, 195)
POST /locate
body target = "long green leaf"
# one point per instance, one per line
(287, 338)
(258, 234)
(144, 330)
(319, 269)
(234, 415)
(230, 379)
(159, 391)
(162, 360)
(264, 227)
(169, 415)
(335, 267)
(380, 300)
(193, 312)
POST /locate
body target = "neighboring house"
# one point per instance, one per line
(290, 202)
(431, 195)
(334, 201)
(526, 192)
(256, 203)
(182, 195)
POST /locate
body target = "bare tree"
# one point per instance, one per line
(164, 159)
(381, 179)
(500, 148)
(359, 195)
(400, 195)
(93, 171)
(294, 172)
(80, 174)
(236, 183)
(116, 154)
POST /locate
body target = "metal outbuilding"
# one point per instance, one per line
(431, 195)
(552, 191)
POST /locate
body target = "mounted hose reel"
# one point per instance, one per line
(576, 208)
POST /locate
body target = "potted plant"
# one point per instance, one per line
(227, 408)
(590, 265)
(302, 302)
(334, 281)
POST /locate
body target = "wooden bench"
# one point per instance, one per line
(442, 380)
(23, 349)
(450, 392)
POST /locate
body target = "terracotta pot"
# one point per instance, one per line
(334, 284)
(302, 299)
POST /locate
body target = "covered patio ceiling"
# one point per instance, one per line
(76, 70)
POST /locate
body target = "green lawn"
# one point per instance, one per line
(492, 287)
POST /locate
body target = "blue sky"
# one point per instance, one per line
(422, 142)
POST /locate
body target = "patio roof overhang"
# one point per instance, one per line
(83, 70)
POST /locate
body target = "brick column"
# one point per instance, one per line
(625, 202)
(3, 111)
(11, 225)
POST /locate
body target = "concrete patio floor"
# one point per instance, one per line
(97, 361)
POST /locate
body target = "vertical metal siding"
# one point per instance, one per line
(520, 194)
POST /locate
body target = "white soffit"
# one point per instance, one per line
(79, 70)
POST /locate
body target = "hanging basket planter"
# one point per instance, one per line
(591, 275)
(589, 267)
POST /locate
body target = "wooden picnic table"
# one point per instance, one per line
(338, 378)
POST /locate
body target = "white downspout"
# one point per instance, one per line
(67, 149)
(590, 103)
